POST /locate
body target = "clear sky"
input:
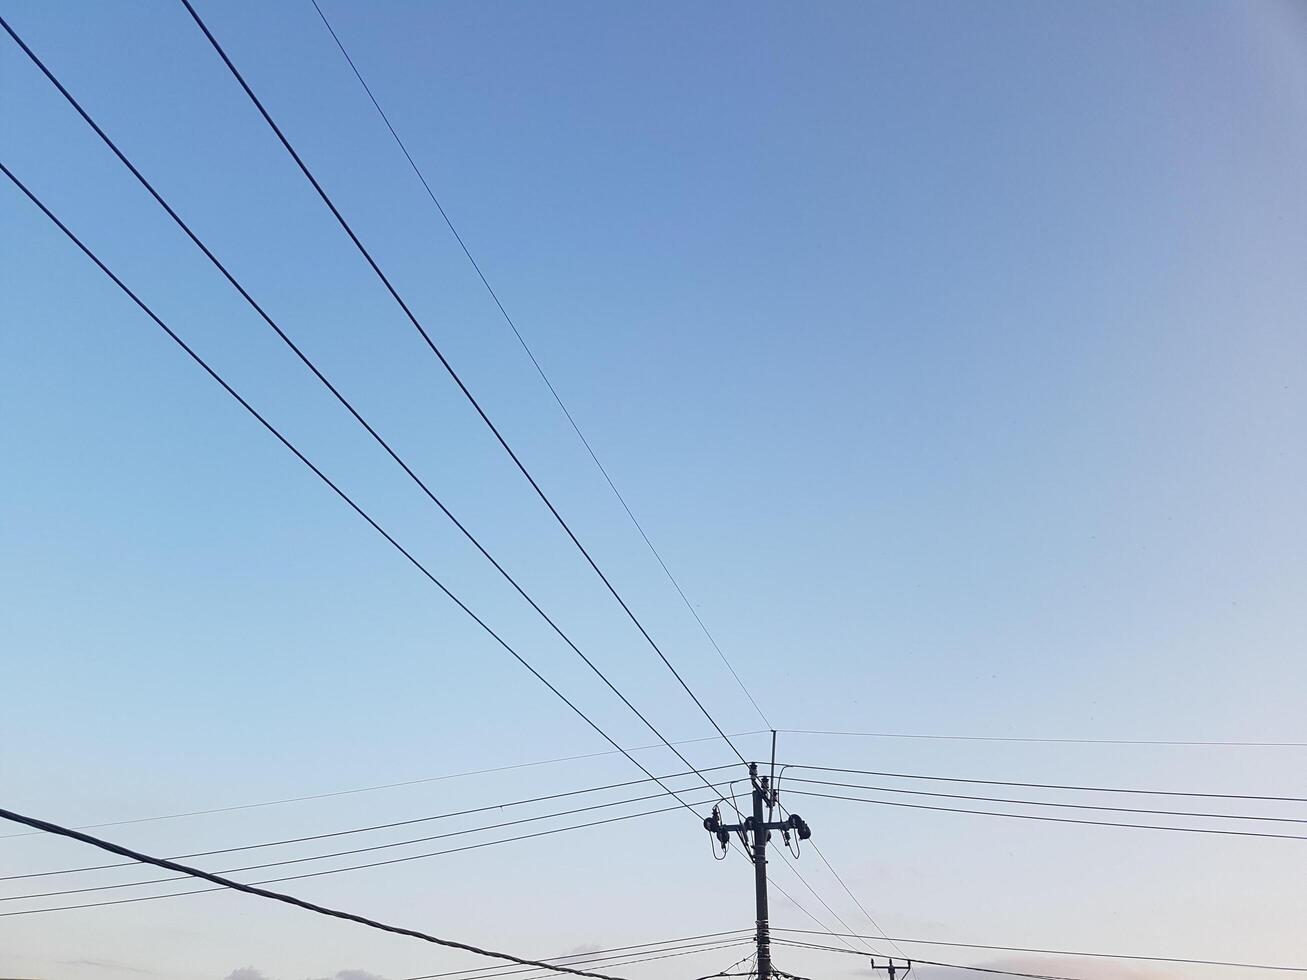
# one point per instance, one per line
(952, 354)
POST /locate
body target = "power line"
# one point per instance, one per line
(861, 908)
(539, 369)
(382, 786)
(740, 962)
(319, 874)
(467, 393)
(391, 825)
(838, 918)
(639, 748)
(625, 961)
(313, 467)
(848, 891)
(1071, 820)
(714, 936)
(1054, 741)
(1187, 961)
(788, 897)
(1084, 789)
(622, 959)
(358, 417)
(795, 902)
(1073, 806)
(77, 835)
(824, 930)
(920, 962)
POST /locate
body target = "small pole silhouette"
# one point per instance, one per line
(892, 969)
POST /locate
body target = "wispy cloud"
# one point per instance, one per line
(249, 973)
(108, 965)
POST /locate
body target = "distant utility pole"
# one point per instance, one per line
(754, 833)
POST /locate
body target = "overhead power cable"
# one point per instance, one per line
(847, 890)
(473, 973)
(381, 786)
(1044, 740)
(861, 908)
(727, 971)
(395, 823)
(336, 393)
(609, 960)
(821, 926)
(1066, 786)
(1087, 954)
(333, 854)
(351, 851)
(408, 555)
(332, 871)
(1047, 803)
(772, 883)
(426, 336)
(824, 904)
(141, 856)
(1068, 820)
(628, 960)
(920, 962)
(535, 362)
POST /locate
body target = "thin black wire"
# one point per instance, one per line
(726, 972)
(991, 970)
(77, 835)
(620, 959)
(716, 936)
(1054, 741)
(774, 884)
(539, 369)
(1188, 961)
(371, 789)
(848, 891)
(358, 850)
(838, 918)
(861, 908)
(1085, 789)
(354, 867)
(1072, 806)
(624, 960)
(1032, 816)
(319, 473)
(825, 929)
(358, 417)
(340, 218)
(387, 826)
(950, 966)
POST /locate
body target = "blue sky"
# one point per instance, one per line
(952, 356)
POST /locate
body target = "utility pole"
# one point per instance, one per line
(891, 968)
(754, 833)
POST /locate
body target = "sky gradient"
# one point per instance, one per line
(951, 354)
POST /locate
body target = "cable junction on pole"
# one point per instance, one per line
(754, 832)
